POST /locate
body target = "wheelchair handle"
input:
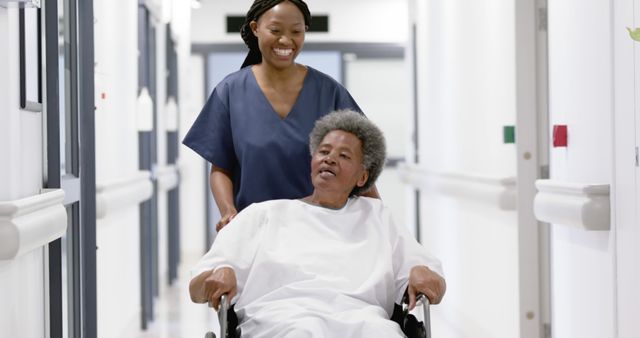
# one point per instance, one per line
(222, 315)
(426, 314)
(421, 299)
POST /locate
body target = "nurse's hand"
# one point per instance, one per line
(424, 280)
(218, 283)
(226, 218)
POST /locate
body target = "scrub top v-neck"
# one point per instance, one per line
(266, 99)
(239, 131)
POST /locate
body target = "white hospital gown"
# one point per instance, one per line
(309, 271)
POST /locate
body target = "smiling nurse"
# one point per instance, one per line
(254, 127)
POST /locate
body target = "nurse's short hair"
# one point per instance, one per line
(374, 149)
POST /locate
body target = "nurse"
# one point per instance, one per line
(254, 127)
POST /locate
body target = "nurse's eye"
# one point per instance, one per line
(323, 152)
(274, 31)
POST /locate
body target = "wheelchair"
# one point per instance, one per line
(411, 327)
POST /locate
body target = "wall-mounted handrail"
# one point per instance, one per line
(167, 177)
(32, 222)
(584, 206)
(115, 195)
(500, 191)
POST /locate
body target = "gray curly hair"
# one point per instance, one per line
(374, 149)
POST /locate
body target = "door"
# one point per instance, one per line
(626, 192)
(389, 108)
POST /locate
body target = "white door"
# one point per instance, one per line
(626, 187)
(381, 88)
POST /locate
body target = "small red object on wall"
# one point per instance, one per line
(559, 135)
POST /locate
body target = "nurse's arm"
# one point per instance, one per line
(222, 189)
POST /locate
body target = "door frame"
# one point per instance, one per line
(532, 164)
(79, 185)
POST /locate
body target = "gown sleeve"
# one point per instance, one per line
(210, 135)
(407, 253)
(236, 245)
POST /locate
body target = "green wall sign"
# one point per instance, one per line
(509, 134)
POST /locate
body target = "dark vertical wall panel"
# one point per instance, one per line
(51, 105)
(173, 212)
(146, 150)
(173, 202)
(87, 166)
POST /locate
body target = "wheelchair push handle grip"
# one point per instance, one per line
(222, 316)
(425, 313)
(421, 298)
(223, 301)
(424, 300)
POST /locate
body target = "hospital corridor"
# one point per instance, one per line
(317, 161)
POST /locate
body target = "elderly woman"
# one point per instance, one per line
(331, 264)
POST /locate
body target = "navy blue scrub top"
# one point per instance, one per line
(239, 131)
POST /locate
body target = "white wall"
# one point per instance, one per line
(580, 96)
(466, 90)
(22, 312)
(349, 21)
(189, 220)
(193, 184)
(117, 157)
(21, 135)
(22, 280)
(466, 94)
(161, 144)
(626, 186)
(117, 235)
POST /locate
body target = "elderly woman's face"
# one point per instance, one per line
(337, 164)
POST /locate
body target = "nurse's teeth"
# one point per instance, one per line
(283, 52)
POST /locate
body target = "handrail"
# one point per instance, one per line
(584, 206)
(167, 177)
(500, 191)
(123, 193)
(31, 222)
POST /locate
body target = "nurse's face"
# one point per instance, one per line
(337, 164)
(280, 32)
